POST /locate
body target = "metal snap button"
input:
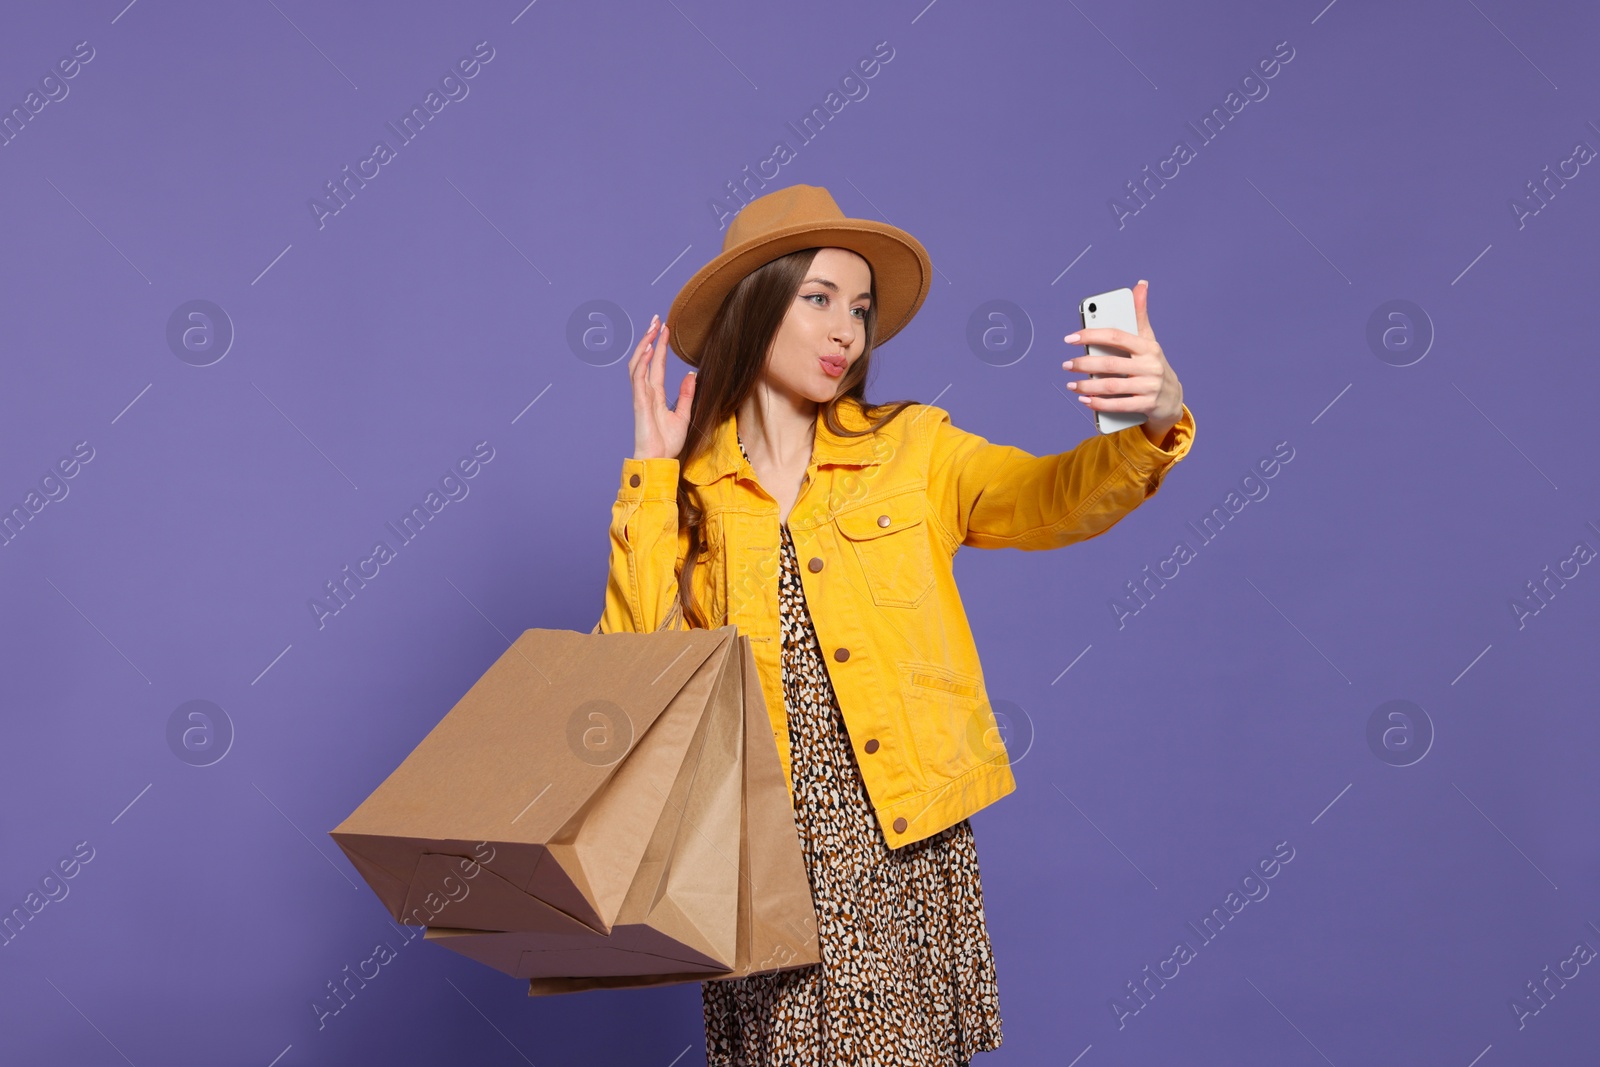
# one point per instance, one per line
(883, 520)
(841, 654)
(900, 826)
(871, 745)
(633, 480)
(815, 564)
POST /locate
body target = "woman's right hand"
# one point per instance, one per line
(658, 433)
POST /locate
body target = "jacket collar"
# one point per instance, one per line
(722, 456)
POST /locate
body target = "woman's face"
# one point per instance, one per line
(825, 329)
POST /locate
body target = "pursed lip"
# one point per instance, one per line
(836, 360)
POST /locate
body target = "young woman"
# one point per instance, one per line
(773, 497)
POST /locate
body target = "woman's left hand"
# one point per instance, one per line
(1153, 387)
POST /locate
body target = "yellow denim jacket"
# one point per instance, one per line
(875, 528)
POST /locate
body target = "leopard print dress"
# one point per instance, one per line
(907, 977)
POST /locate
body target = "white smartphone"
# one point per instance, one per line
(1113, 310)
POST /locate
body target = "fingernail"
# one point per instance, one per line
(1070, 338)
(1143, 282)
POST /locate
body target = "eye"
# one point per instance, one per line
(824, 296)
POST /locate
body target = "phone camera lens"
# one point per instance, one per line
(1091, 309)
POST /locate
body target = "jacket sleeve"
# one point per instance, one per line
(647, 549)
(997, 496)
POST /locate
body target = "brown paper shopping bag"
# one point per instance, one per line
(588, 802)
(776, 925)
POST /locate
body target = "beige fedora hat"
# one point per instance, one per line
(787, 220)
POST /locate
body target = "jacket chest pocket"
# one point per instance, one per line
(710, 579)
(890, 540)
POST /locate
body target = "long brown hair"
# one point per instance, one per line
(731, 363)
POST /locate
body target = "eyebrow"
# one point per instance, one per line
(835, 288)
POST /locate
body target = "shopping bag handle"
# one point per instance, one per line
(668, 623)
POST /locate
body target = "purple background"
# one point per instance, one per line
(432, 312)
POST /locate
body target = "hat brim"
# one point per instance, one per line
(901, 270)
